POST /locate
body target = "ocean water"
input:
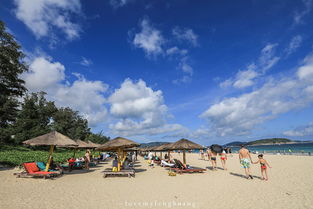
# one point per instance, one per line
(305, 148)
(283, 148)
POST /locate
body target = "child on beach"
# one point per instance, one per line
(223, 157)
(264, 165)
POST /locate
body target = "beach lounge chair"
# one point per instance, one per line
(128, 173)
(181, 168)
(31, 169)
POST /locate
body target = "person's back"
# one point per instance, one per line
(244, 153)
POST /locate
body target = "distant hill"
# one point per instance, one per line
(270, 141)
(261, 141)
(152, 144)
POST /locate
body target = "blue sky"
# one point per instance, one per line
(160, 70)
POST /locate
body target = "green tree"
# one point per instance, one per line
(35, 117)
(11, 86)
(71, 124)
(98, 138)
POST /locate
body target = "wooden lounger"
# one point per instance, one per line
(129, 173)
(188, 170)
(181, 168)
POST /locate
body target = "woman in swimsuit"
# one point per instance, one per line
(264, 165)
(223, 157)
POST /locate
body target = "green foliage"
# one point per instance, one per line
(98, 138)
(34, 118)
(11, 86)
(16, 155)
(70, 123)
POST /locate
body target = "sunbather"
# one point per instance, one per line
(166, 164)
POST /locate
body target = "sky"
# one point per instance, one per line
(161, 70)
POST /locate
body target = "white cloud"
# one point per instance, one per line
(85, 62)
(185, 67)
(185, 34)
(119, 3)
(299, 15)
(183, 79)
(301, 131)
(176, 51)
(239, 115)
(149, 39)
(43, 16)
(246, 78)
(294, 44)
(43, 74)
(139, 110)
(305, 72)
(81, 95)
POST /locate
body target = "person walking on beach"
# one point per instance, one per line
(264, 165)
(202, 154)
(212, 157)
(223, 157)
(245, 160)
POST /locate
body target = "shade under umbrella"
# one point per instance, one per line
(183, 144)
(53, 138)
(216, 148)
(118, 144)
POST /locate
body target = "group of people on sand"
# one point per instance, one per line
(244, 159)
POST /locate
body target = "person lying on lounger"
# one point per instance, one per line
(164, 164)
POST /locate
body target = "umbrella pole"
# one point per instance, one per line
(184, 156)
(161, 155)
(74, 153)
(119, 159)
(50, 156)
(169, 156)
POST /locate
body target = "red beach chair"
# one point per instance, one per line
(31, 169)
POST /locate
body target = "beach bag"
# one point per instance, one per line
(171, 173)
(114, 169)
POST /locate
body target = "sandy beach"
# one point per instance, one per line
(290, 185)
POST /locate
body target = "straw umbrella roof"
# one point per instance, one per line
(52, 138)
(117, 143)
(162, 147)
(93, 145)
(183, 144)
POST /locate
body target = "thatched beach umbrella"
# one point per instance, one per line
(162, 148)
(93, 145)
(118, 144)
(53, 138)
(183, 144)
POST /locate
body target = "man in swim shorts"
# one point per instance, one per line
(245, 160)
(212, 157)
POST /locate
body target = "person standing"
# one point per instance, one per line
(212, 157)
(87, 159)
(245, 160)
(223, 157)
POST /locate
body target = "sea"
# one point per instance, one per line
(305, 148)
(288, 149)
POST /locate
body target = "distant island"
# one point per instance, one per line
(270, 141)
(153, 144)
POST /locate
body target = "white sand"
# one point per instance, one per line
(290, 185)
